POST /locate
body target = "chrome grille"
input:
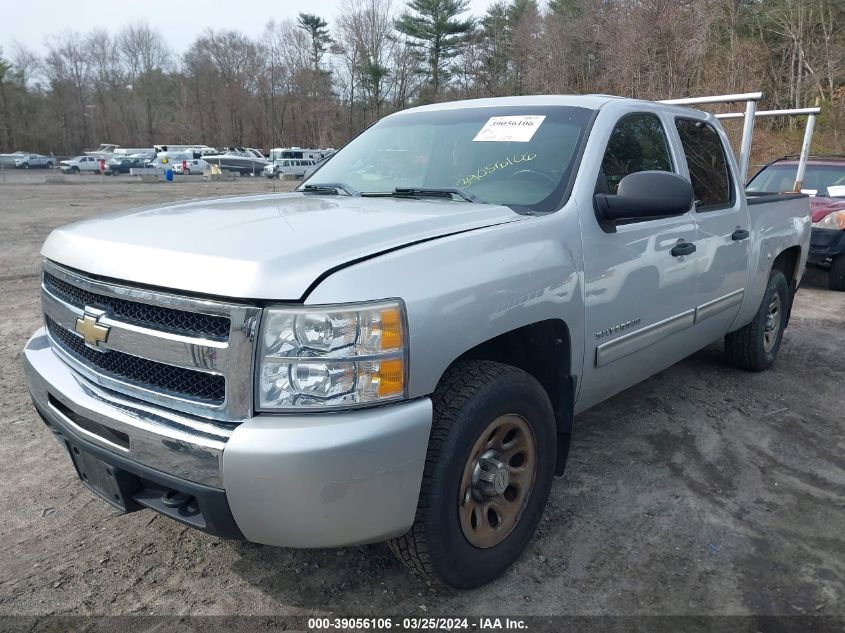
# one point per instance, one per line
(176, 380)
(157, 317)
(183, 353)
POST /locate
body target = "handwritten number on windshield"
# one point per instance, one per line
(510, 161)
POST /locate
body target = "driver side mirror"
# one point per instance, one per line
(644, 195)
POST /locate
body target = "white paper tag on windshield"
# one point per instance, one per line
(515, 129)
(836, 191)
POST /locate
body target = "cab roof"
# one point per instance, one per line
(813, 159)
(591, 102)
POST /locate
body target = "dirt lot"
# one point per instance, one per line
(703, 490)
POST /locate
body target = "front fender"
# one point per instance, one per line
(464, 289)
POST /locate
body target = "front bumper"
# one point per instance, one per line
(312, 480)
(825, 244)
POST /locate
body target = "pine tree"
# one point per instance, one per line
(317, 29)
(432, 26)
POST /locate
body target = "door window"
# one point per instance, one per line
(637, 143)
(707, 163)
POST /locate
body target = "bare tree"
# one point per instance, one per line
(68, 69)
(366, 27)
(146, 58)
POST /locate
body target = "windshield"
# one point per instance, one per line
(517, 156)
(819, 180)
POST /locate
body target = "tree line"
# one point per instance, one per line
(317, 82)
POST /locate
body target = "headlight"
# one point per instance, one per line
(835, 220)
(332, 357)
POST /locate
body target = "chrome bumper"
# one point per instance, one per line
(295, 480)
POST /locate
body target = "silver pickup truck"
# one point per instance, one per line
(396, 351)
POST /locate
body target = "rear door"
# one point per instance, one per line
(723, 226)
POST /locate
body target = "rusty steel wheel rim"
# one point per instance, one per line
(771, 328)
(497, 481)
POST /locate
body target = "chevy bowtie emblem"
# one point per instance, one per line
(89, 327)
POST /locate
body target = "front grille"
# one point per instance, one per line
(155, 317)
(145, 373)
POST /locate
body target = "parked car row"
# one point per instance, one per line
(112, 160)
(124, 164)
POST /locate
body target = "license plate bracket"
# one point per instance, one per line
(111, 484)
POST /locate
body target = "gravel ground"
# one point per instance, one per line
(703, 490)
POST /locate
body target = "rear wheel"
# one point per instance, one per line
(836, 281)
(49, 165)
(755, 346)
(487, 477)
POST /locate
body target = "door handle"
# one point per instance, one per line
(683, 248)
(739, 234)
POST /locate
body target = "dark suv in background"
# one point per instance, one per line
(117, 166)
(824, 180)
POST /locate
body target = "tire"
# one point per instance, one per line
(49, 165)
(755, 346)
(454, 540)
(187, 172)
(74, 170)
(25, 166)
(836, 280)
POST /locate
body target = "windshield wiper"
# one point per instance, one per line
(427, 192)
(330, 188)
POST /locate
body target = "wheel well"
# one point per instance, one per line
(542, 349)
(787, 263)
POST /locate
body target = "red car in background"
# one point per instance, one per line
(824, 180)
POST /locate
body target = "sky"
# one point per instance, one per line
(179, 21)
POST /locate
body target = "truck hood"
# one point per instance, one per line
(257, 247)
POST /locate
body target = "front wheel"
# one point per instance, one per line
(74, 170)
(755, 346)
(487, 477)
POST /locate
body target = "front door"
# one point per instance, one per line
(639, 296)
